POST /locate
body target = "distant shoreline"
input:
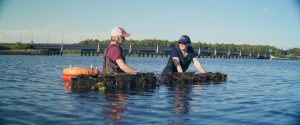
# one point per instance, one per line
(39, 52)
(22, 52)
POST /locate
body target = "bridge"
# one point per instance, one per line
(92, 50)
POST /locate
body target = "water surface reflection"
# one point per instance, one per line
(117, 104)
(180, 98)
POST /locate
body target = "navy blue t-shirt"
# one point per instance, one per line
(175, 53)
(184, 61)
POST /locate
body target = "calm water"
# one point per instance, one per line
(256, 92)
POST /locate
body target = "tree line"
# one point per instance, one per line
(166, 43)
(203, 45)
(17, 45)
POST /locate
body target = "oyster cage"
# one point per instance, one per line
(142, 81)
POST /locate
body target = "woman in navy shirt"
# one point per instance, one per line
(182, 56)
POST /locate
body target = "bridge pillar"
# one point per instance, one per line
(55, 53)
(48, 52)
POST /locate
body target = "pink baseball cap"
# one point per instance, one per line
(119, 31)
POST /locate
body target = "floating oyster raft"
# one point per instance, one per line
(92, 82)
(113, 81)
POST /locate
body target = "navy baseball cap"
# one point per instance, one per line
(184, 39)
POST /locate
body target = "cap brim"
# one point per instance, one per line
(126, 35)
(181, 41)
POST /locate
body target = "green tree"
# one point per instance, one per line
(20, 45)
(203, 45)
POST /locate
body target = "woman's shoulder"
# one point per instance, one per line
(113, 46)
(190, 49)
(174, 52)
(192, 52)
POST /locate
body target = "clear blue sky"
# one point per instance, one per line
(263, 22)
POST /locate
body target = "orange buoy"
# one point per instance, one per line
(67, 78)
(75, 71)
(68, 73)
